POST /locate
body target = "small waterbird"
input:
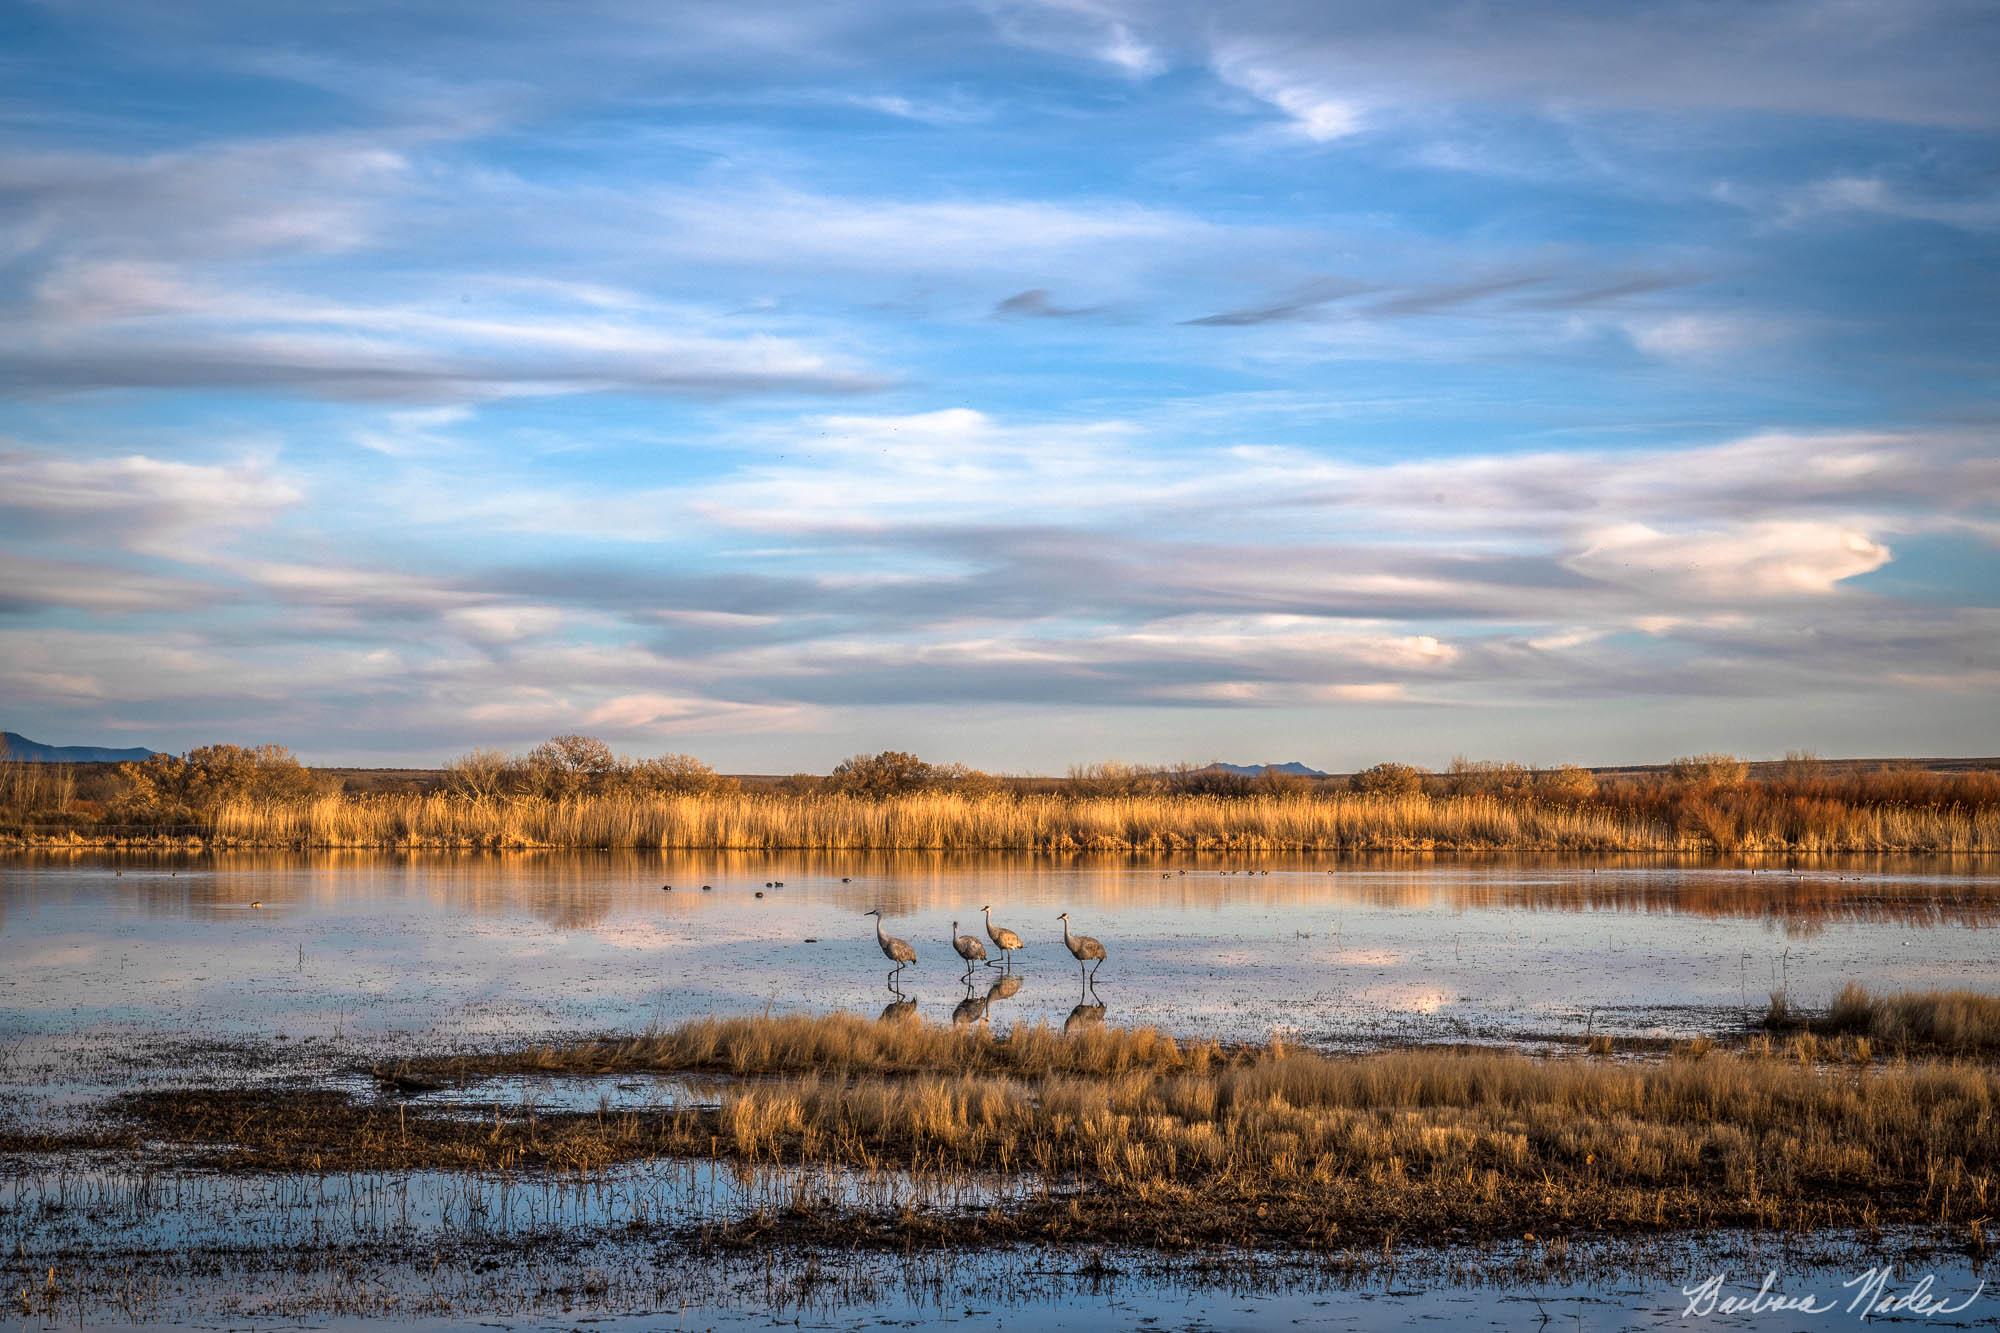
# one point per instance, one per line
(1003, 939)
(1083, 948)
(896, 951)
(968, 947)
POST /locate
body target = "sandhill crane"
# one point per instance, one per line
(1082, 948)
(968, 947)
(1003, 939)
(896, 951)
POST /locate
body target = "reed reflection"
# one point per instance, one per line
(580, 890)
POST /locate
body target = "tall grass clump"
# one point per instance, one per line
(1955, 1021)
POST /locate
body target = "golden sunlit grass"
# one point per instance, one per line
(845, 1044)
(1116, 1135)
(574, 792)
(1334, 821)
(1955, 1022)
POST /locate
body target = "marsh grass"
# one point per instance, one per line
(1129, 1136)
(845, 1044)
(939, 820)
(1954, 1022)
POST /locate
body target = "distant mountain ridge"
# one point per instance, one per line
(1293, 769)
(15, 746)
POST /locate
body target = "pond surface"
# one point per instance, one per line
(581, 1277)
(388, 951)
(120, 971)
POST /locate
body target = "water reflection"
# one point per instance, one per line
(392, 948)
(578, 890)
(971, 1009)
(1085, 1015)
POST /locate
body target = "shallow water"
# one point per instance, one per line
(104, 1207)
(382, 951)
(117, 972)
(627, 1280)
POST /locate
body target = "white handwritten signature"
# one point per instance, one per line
(1872, 1291)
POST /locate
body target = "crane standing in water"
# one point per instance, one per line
(1003, 939)
(1083, 948)
(896, 951)
(969, 948)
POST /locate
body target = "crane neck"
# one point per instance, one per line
(878, 927)
(1065, 930)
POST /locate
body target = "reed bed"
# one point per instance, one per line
(947, 821)
(1954, 1022)
(1129, 1136)
(846, 1044)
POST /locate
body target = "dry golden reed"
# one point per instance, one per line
(1117, 1135)
(947, 821)
(1955, 1021)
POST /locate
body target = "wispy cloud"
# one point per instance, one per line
(806, 377)
(1035, 303)
(1308, 300)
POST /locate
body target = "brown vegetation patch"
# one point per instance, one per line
(1127, 1136)
(573, 791)
(1954, 1022)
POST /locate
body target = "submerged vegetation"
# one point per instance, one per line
(573, 791)
(1129, 1136)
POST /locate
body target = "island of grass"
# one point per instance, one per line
(1882, 1113)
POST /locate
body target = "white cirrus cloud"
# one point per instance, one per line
(652, 711)
(1312, 112)
(1751, 562)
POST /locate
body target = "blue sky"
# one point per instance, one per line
(1020, 383)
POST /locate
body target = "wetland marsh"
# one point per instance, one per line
(264, 1084)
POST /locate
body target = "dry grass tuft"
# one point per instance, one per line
(1958, 1022)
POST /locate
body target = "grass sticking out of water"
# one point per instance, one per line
(1953, 1022)
(1127, 1136)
